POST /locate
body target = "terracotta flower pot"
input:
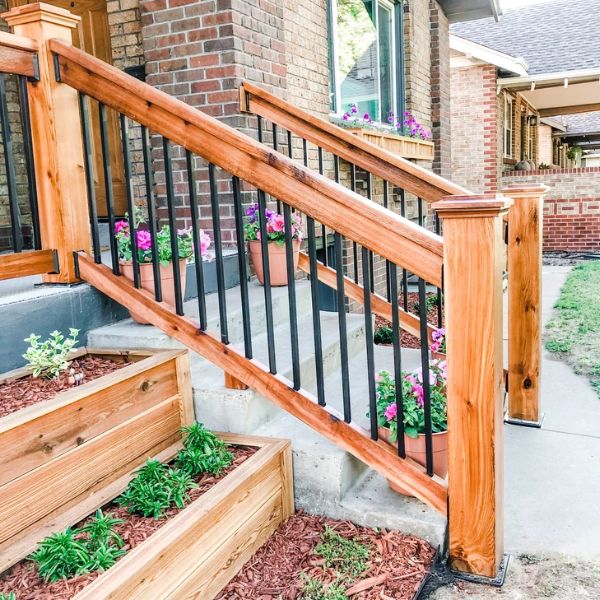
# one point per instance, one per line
(415, 449)
(147, 280)
(277, 261)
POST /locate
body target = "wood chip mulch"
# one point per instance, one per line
(396, 569)
(406, 339)
(25, 391)
(24, 581)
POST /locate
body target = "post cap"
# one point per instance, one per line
(520, 190)
(42, 12)
(473, 205)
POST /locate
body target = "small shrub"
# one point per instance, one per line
(347, 557)
(315, 590)
(558, 346)
(10, 596)
(155, 489)
(49, 358)
(383, 335)
(203, 452)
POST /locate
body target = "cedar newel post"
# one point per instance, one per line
(473, 262)
(525, 303)
(57, 141)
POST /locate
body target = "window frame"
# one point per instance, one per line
(397, 70)
(509, 111)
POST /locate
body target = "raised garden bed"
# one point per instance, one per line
(64, 457)
(195, 551)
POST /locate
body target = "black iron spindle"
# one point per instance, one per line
(239, 230)
(151, 207)
(354, 244)
(130, 205)
(371, 258)
(291, 285)
(336, 168)
(173, 227)
(387, 262)
(264, 244)
(218, 243)
(341, 306)
(439, 298)
(421, 217)
(316, 310)
(397, 348)
(323, 228)
(289, 144)
(276, 148)
(404, 272)
(11, 181)
(108, 187)
(28, 146)
(369, 344)
(425, 373)
(89, 177)
(198, 263)
(259, 128)
(305, 152)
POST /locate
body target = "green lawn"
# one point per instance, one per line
(574, 331)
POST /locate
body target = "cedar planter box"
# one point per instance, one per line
(63, 458)
(403, 146)
(198, 551)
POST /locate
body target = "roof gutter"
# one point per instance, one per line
(545, 80)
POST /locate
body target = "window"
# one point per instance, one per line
(509, 109)
(364, 62)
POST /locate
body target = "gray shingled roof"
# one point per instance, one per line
(583, 123)
(558, 35)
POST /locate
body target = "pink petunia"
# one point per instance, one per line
(391, 411)
(143, 240)
(276, 224)
(120, 225)
(205, 242)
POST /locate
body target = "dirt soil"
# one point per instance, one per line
(396, 567)
(24, 581)
(25, 391)
(535, 578)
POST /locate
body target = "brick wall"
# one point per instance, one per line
(545, 144)
(571, 207)
(125, 26)
(474, 140)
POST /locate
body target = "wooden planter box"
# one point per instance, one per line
(406, 147)
(197, 552)
(62, 459)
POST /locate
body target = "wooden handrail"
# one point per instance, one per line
(299, 403)
(18, 55)
(385, 233)
(24, 264)
(379, 305)
(380, 162)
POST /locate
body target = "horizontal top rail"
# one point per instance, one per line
(18, 55)
(376, 160)
(385, 233)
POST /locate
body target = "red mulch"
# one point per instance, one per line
(406, 339)
(24, 581)
(25, 391)
(396, 568)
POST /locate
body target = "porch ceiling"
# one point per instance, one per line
(563, 93)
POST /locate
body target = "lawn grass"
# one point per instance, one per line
(574, 331)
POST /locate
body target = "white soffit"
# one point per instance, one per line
(473, 53)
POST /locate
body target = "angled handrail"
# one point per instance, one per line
(380, 162)
(385, 233)
(18, 55)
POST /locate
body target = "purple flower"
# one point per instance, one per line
(391, 411)
(143, 239)
(353, 109)
(366, 117)
(120, 226)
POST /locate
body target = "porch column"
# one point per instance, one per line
(525, 303)
(473, 262)
(57, 141)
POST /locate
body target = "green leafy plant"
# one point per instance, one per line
(49, 358)
(203, 452)
(574, 152)
(95, 546)
(156, 488)
(383, 335)
(314, 589)
(10, 596)
(348, 557)
(544, 165)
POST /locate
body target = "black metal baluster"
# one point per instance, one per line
(371, 258)
(151, 206)
(259, 128)
(216, 218)
(289, 144)
(198, 264)
(11, 181)
(316, 311)
(264, 244)
(239, 229)
(173, 227)
(89, 177)
(289, 254)
(396, 343)
(130, 206)
(440, 293)
(425, 372)
(110, 200)
(28, 144)
(323, 228)
(336, 168)
(369, 343)
(341, 305)
(404, 272)
(276, 148)
(387, 262)
(420, 217)
(354, 244)
(305, 152)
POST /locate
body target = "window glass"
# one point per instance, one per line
(386, 60)
(508, 127)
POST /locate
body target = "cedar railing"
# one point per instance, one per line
(470, 255)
